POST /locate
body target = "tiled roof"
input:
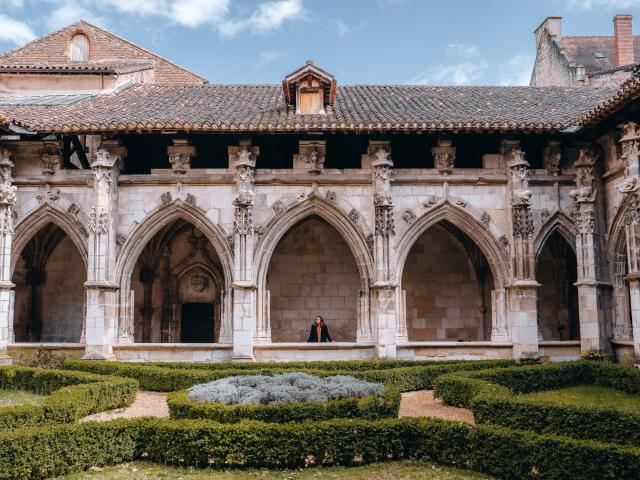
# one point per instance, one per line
(628, 91)
(580, 51)
(114, 66)
(244, 108)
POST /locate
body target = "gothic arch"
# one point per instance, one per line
(279, 226)
(33, 222)
(468, 225)
(617, 237)
(154, 222)
(560, 223)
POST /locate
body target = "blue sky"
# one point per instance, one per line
(477, 42)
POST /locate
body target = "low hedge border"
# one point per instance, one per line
(372, 407)
(71, 395)
(169, 379)
(50, 451)
(492, 395)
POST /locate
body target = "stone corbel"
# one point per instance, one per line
(519, 177)
(8, 192)
(552, 157)
(311, 156)
(444, 155)
(50, 158)
(585, 191)
(180, 154)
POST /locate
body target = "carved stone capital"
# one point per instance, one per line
(180, 154)
(444, 155)
(243, 155)
(50, 161)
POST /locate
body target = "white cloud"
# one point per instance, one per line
(69, 12)
(193, 13)
(466, 66)
(15, 31)
(272, 15)
(268, 57)
(602, 4)
(517, 71)
(267, 16)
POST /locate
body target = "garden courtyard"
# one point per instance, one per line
(492, 419)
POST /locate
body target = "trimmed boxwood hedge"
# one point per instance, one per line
(493, 397)
(166, 378)
(508, 454)
(369, 408)
(71, 395)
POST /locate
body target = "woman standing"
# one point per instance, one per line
(319, 331)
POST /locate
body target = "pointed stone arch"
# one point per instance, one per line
(618, 268)
(560, 223)
(159, 218)
(34, 221)
(280, 225)
(446, 212)
(276, 230)
(140, 237)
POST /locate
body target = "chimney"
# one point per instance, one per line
(550, 25)
(623, 35)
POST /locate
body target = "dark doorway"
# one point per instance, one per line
(197, 323)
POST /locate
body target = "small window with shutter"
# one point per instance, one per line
(310, 90)
(310, 97)
(79, 48)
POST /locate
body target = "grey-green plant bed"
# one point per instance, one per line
(407, 470)
(9, 398)
(588, 396)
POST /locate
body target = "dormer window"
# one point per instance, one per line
(310, 89)
(79, 48)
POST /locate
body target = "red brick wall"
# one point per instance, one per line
(102, 45)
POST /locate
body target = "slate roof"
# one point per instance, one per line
(114, 66)
(580, 51)
(256, 108)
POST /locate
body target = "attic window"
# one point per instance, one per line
(310, 89)
(79, 48)
(599, 55)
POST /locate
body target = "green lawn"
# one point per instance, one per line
(16, 397)
(589, 396)
(407, 470)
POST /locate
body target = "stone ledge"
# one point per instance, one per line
(626, 343)
(314, 346)
(559, 343)
(172, 346)
(446, 344)
(36, 345)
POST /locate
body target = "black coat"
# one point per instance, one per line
(324, 334)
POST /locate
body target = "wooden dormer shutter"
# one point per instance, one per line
(310, 97)
(79, 48)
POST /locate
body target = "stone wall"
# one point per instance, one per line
(443, 298)
(313, 272)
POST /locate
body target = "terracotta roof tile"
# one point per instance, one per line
(357, 107)
(627, 92)
(99, 66)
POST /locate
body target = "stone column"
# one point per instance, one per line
(7, 201)
(522, 292)
(243, 160)
(630, 188)
(383, 290)
(101, 322)
(591, 289)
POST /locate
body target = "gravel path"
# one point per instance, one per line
(413, 404)
(147, 404)
(424, 404)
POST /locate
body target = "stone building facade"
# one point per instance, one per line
(584, 60)
(148, 220)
